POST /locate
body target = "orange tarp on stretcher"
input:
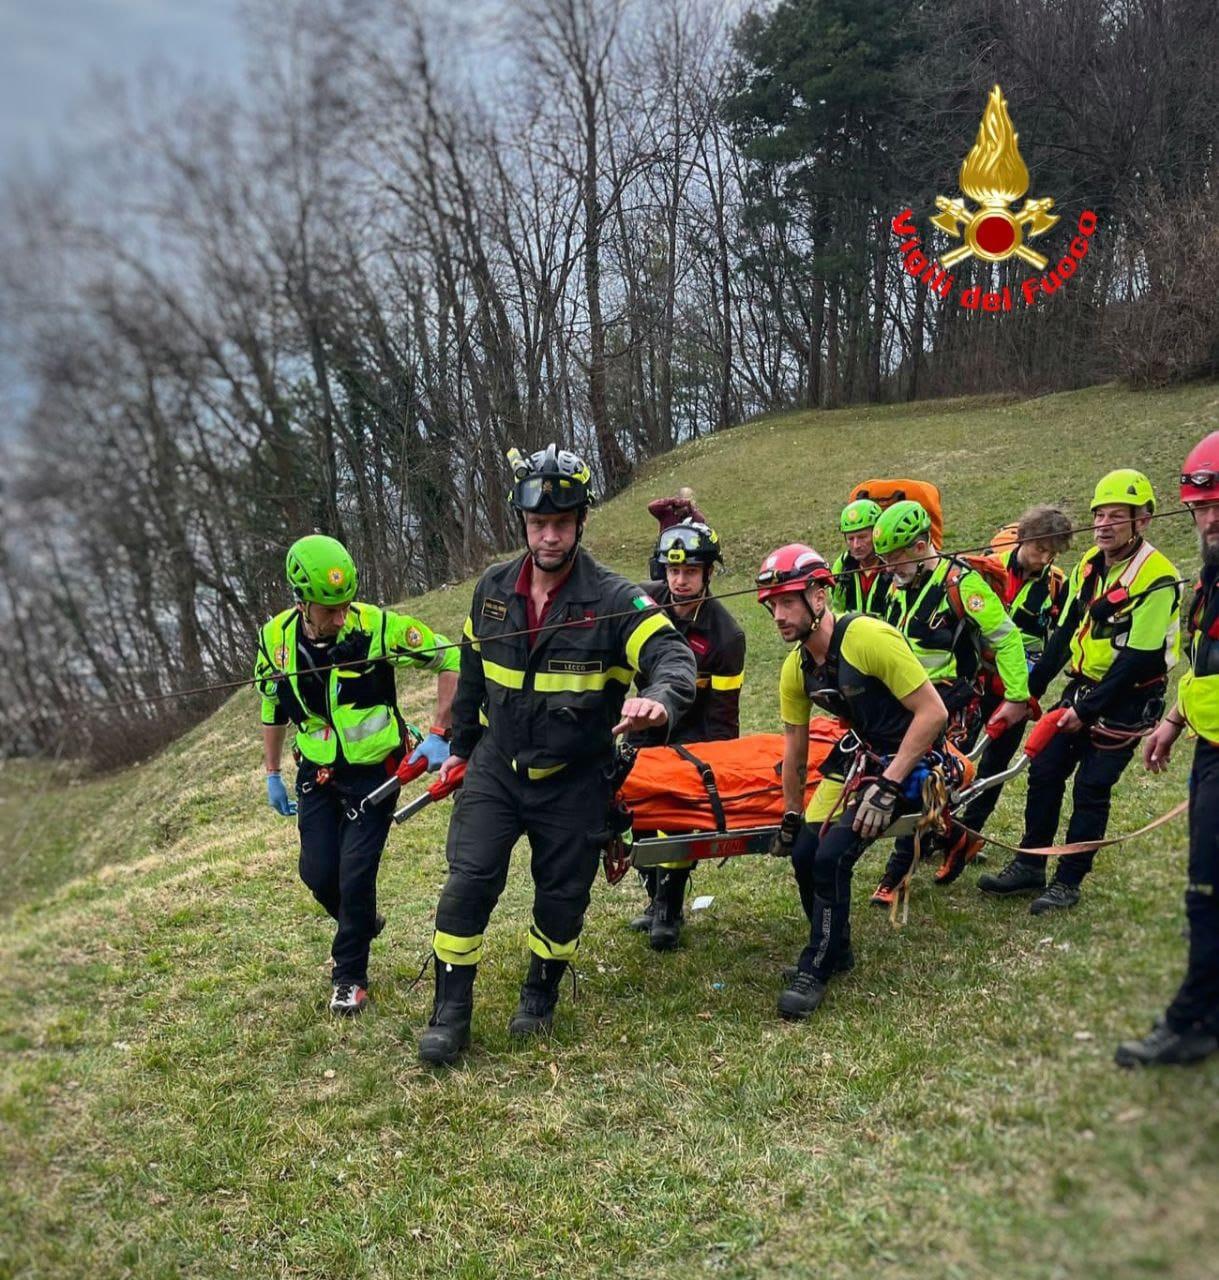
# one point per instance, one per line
(665, 792)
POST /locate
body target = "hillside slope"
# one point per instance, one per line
(174, 1100)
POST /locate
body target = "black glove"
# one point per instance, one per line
(783, 840)
(877, 808)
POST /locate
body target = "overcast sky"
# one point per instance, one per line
(51, 50)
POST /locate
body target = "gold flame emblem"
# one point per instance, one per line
(994, 176)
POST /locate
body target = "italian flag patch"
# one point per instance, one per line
(644, 602)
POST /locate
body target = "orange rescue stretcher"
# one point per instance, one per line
(720, 799)
(714, 799)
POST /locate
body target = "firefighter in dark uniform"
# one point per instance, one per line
(554, 641)
(682, 564)
(1120, 631)
(327, 666)
(1189, 1029)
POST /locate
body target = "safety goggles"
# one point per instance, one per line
(1200, 479)
(806, 573)
(676, 545)
(562, 492)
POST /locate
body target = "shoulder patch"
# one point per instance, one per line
(975, 603)
(414, 637)
(644, 601)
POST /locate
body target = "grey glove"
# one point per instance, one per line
(784, 839)
(877, 808)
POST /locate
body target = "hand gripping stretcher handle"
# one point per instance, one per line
(1036, 742)
(437, 791)
(1042, 732)
(406, 772)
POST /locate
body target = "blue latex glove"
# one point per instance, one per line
(434, 749)
(277, 796)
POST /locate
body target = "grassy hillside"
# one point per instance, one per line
(174, 1100)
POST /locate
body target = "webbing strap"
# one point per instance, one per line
(707, 777)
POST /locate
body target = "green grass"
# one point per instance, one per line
(174, 1100)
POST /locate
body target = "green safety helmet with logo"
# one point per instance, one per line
(321, 571)
(1126, 487)
(859, 515)
(900, 525)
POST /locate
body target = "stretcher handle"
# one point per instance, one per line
(438, 790)
(1043, 731)
(406, 772)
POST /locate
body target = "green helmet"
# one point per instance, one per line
(859, 515)
(899, 526)
(1126, 486)
(320, 571)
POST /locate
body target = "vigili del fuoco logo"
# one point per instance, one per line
(994, 177)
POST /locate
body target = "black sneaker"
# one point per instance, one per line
(1016, 877)
(1163, 1047)
(1058, 897)
(801, 996)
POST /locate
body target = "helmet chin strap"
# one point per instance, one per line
(814, 617)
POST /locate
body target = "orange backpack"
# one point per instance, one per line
(990, 569)
(1005, 537)
(886, 492)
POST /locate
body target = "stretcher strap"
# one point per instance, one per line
(707, 777)
(933, 821)
(1080, 846)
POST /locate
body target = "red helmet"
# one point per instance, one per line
(791, 568)
(1200, 474)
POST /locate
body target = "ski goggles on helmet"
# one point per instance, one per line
(550, 493)
(677, 545)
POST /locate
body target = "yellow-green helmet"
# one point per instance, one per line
(900, 525)
(1126, 486)
(320, 571)
(859, 515)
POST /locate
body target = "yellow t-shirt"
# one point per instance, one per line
(872, 647)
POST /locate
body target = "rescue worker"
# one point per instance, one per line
(555, 640)
(1189, 1029)
(1119, 630)
(327, 666)
(861, 584)
(950, 615)
(681, 567)
(1034, 595)
(861, 670)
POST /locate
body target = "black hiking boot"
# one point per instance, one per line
(448, 1029)
(667, 919)
(1016, 877)
(1057, 897)
(801, 996)
(1163, 1047)
(539, 995)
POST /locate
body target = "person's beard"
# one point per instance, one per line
(1209, 547)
